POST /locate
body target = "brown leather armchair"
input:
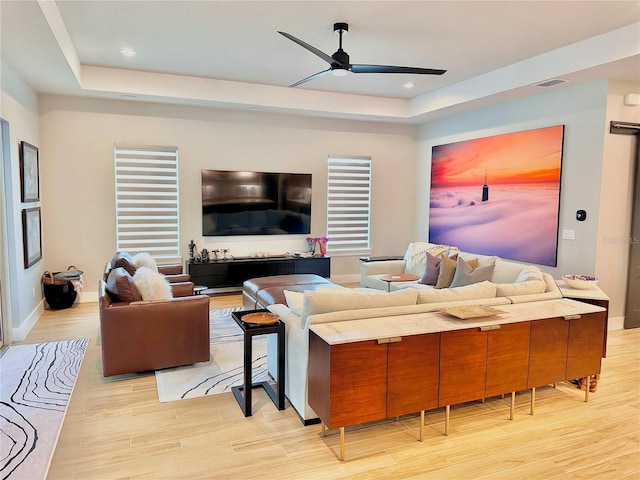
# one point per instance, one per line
(140, 335)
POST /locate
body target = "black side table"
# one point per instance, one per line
(250, 330)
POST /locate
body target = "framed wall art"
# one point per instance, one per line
(499, 195)
(31, 236)
(29, 173)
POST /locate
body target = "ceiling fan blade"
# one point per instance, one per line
(312, 49)
(311, 77)
(394, 69)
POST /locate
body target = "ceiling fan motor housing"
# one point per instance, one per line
(340, 28)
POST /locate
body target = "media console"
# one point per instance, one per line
(228, 275)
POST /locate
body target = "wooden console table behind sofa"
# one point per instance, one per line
(362, 370)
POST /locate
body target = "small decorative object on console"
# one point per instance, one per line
(312, 244)
(581, 282)
(192, 249)
(322, 243)
(260, 318)
(204, 255)
(472, 311)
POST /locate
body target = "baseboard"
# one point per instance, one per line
(615, 323)
(20, 333)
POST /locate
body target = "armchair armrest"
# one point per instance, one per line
(382, 268)
(369, 269)
(181, 289)
(170, 269)
(182, 277)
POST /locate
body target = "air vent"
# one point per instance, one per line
(550, 83)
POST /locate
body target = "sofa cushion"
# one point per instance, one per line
(529, 273)
(431, 270)
(152, 285)
(120, 286)
(482, 260)
(466, 274)
(506, 272)
(522, 288)
(124, 260)
(483, 289)
(144, 259)
(294, 301)
(332, 300)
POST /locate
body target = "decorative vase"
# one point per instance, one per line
(312, 244)
(322, 243)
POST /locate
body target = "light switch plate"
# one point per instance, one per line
(568, 234)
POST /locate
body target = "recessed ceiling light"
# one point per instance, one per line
(408, 85)
(128, 52)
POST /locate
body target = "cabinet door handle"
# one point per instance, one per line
(486, 328)
(572, 317)
(389, 340)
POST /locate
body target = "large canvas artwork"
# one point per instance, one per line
(499, 195)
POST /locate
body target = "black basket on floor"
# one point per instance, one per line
(59, 291)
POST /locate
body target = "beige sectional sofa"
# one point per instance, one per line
(510, 283)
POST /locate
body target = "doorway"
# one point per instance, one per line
(632, 305)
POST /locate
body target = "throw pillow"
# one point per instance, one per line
(152, 285)
(447, 270)
(120, 286)
(431, 270)
(466, 274)
(124, 260)
(294, 301)
(143, 259)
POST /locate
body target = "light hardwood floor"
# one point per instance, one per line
(115, 428)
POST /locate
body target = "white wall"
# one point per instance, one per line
(616, 199)
(19, 107)
(77, 137)
(582, 109)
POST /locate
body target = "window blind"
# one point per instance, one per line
(146, 180)
(348, 203)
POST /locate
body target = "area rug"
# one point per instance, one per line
(36, 384)
(224, 368)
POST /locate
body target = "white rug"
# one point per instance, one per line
(36, 384)
(223, 370)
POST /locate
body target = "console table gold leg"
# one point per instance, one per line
(421, 425)
(341, 443)
(533, 400)
(512, 410)
(587, 383)
(447, 410)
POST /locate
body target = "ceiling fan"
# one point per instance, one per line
(340, 65)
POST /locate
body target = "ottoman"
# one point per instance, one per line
(260, 292)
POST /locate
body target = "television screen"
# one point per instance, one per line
(255, 203)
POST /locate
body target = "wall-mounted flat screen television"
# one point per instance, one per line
(255, 203)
